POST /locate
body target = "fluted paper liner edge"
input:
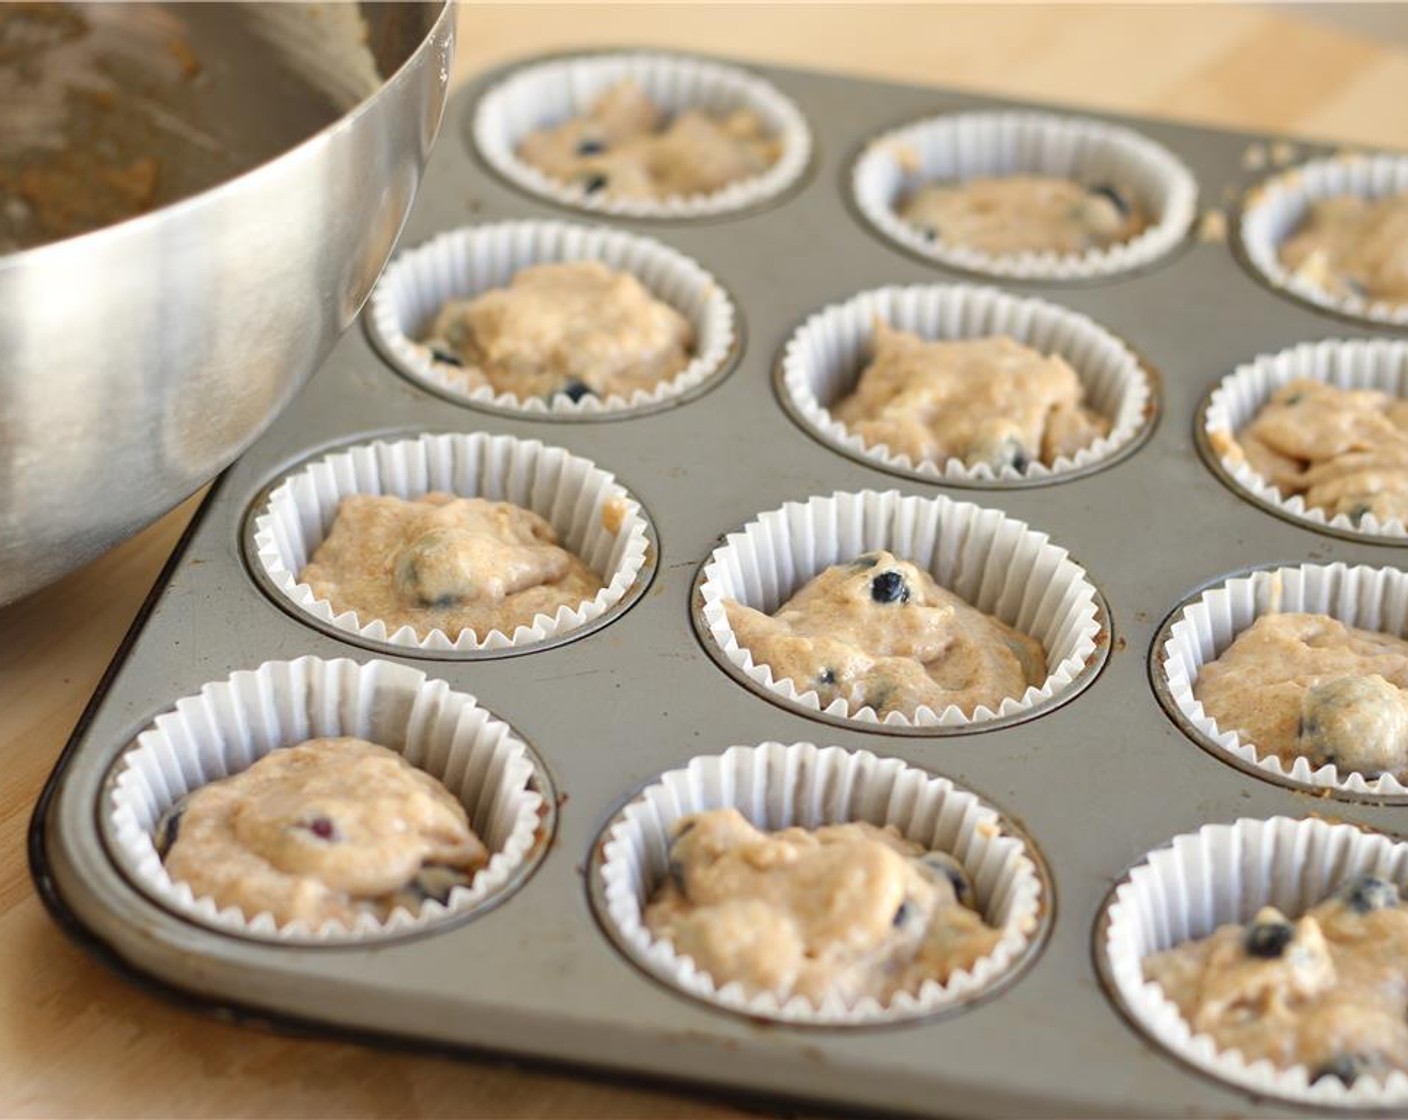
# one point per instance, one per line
(571, 493)
(959, 146)
(822, 362)
(231, 724)
(995, 562)
(472, 260)
(776, 786)
(547, 93)
(1225, 873)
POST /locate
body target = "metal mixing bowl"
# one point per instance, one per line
(137, 361)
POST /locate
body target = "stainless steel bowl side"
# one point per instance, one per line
(139, 360)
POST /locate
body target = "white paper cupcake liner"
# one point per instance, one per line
(1273, 210)
(232, 724)
(823, 360)
(993, 561)
(548, 93)
(1368, 598)
(1346, 364)
(777, 786)
(470, 261)
(958, 146)
(1225, 873)
(591, 513)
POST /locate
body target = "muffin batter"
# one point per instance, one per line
(849, 910)
(1352, 246)
(1295, 685)
(983, 400)
(1345, 451)
(880, 633)
(628, 147)
(1024, 214)
(321, 832)
(445, 563)
(579, 329)
(1328, 991)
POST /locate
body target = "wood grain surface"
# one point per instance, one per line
(76, 1041)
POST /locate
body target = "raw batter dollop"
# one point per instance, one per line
(849, 910)
(1344, 451)
(323, 831)
(579, 329)
(880, 633)
(982, 400)
(628, 147)
(446, 563)
(1328, 991)
(1306, 685)
(1352, 246)
(1024, 214)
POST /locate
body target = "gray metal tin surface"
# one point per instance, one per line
(1096, 783)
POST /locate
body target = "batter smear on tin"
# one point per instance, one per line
(847, 910)
(880, 633)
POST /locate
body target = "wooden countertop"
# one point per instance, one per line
(76, 1041)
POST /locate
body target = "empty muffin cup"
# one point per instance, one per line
(1200, 630)
(231, 724)
(777, 786)
(1272, 211)
(996, 563)
(1379, 364)
(592, 515)
(547, 93)
(1225, 873)
(471, 261)
(822, 362)
(955, 147)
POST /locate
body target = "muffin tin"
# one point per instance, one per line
(1096, 783)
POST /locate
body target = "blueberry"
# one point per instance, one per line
(865, 561)
(576, 389)
(1118, 200)
(590, 147)
(1359, 512)
(1368, 892)
(169, 827)
(1349, 1068)
(943, 865)
(1267, 940)
(1020, 459)
(889, 587)
(593, 183)
(826, 676)
(321, 827)
(436, 881)
(879, 696)
(929, 233)
(446, 357)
